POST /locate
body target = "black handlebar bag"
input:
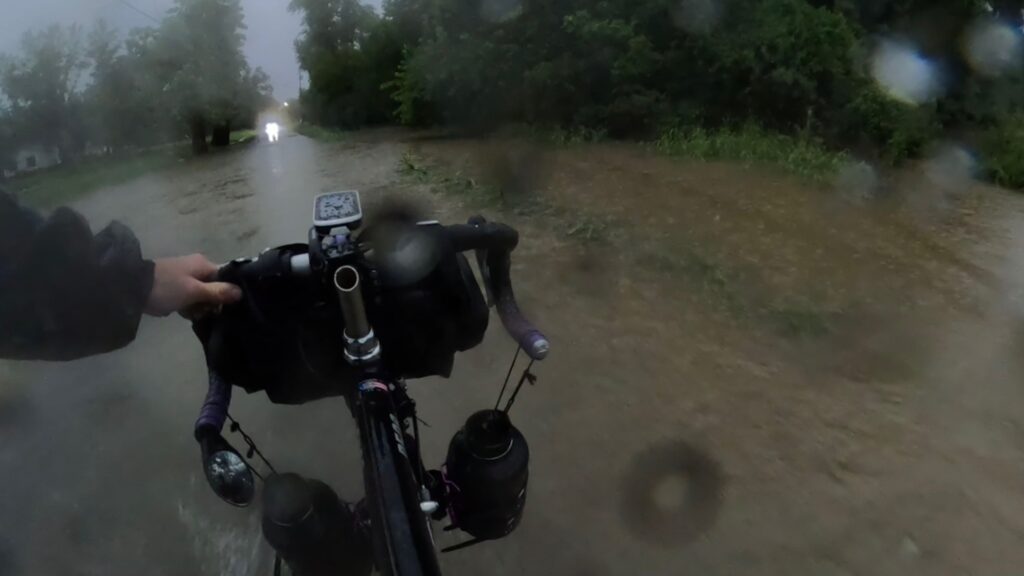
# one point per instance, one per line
(285, 337)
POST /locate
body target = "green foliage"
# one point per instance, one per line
(40, 85)
(628, 68)
(782, 62)
(8, 142)
(897, 131)
(751, 144)
(442, 182)
(571, 136)
(207, 81)
(1003, 148)
(101, 93)
(244, 136)
(409, 93)
(351, 54)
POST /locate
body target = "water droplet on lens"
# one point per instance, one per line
(500, 10)
(950, 168)
(903, 73)
(697, 16)
(993, 48)
(857, 181)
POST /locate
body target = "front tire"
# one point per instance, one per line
(402, 541)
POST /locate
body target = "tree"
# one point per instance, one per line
(41, 85)
(8, 142)
(107, 99)
(350, 53)
(199, 50)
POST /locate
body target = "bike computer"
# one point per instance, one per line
(336, 209)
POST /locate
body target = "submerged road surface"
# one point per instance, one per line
(748, 376)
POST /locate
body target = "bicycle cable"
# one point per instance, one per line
(253, 450)
(507, 376)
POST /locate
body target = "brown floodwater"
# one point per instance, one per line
(750, 375)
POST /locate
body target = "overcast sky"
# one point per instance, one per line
(271, 34)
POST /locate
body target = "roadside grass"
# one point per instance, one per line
(754, 145)
(576, 225)
(66, 183)
(244, 136)
(457, 184)
(320, 133)
(714, 282)
(565, 138)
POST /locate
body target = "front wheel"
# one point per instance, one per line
(402, 540)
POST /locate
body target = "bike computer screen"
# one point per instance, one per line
(337, 209)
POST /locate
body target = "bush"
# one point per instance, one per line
(1003, 149)
(896, 131)
(409, 93)
(626, 68)
(779, 62)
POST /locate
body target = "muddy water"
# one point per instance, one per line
(750, 376)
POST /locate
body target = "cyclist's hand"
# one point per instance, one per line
(183, 284)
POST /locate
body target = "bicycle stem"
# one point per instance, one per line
(361, 344)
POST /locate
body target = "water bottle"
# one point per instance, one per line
(312, 529)
(488, 468)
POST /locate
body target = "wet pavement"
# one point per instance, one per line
(101, 473)
(674, 430)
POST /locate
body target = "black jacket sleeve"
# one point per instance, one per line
(65, 293)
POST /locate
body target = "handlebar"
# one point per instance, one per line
(215, 408)
(493, 243)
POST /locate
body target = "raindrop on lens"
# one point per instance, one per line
(697, 16)
(903, 73)
(993, 48)
(950, 168)
(500, 10)
(857, 181)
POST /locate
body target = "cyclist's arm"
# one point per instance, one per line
(64, 292)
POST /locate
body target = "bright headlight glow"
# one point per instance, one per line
(273, 130)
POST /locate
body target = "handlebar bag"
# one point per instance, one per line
(422, 323)
(286, 336)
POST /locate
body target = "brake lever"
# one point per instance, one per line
(485, 274)
(481, 262)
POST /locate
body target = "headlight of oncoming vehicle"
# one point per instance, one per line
(273, 131)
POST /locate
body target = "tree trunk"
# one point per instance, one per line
(222, 135)
(197, 129)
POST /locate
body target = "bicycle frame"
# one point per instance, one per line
(393, 475)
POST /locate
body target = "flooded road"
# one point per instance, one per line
(749, 376)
